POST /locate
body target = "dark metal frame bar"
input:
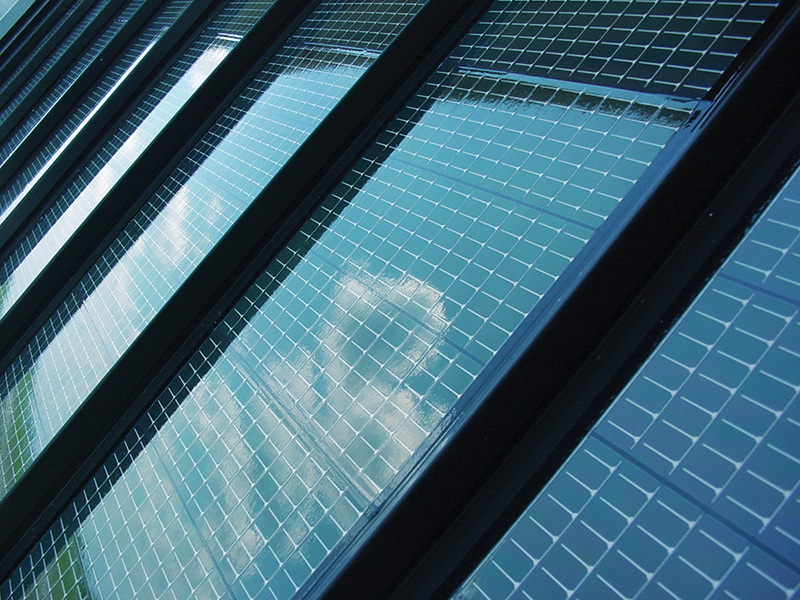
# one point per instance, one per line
(138, 84)
(189, 316)
(144, 177)
(63, 64)
(143, 74)
(24, 28)
(31, 33)
(562, 373)
(47, 49)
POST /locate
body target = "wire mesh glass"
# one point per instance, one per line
(689, 486)
(28, 257)
(52, 59)
(94, 98)
(180, 224)
(350, 355)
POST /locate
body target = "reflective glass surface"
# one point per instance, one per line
(184, 219)
(80, 65)
(355, 350)
(77, 118)
(689, 486)
(51, 60)
(132, 137)
(85, 109)
(23, 62)
(667, 47)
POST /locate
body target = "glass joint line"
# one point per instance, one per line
(704, 508)
(758, 289)
(187, 511)
(299, 418)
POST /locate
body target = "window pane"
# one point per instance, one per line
(45, 38)
(112, 160)
(689, 484)
(94, 49)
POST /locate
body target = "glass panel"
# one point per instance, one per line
(179, 225)
(666, 47)
(31, 172)
(30, 256)
(31, 83)
(412, 275)
(285, 433)
(46, 38)
(154, 31)
(689, 486)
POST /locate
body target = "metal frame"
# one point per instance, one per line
(142, 75)
(144, 177)
(554, 375)
(558, 376)
(63, 62)
(24, 28)
(31, 33)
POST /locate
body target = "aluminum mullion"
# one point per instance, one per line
(129, 89)
(25, 25)
(32, 33)
(536, 406)
(46, 50)
(73, 93)
(131, 192)
(216, 283)
(62, 65)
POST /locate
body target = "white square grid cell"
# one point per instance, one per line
(689, 486)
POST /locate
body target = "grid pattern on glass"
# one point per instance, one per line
(411, 276)
(369, 288)
(672, 47)
(47, 66)
(44, 40)
(69, 77)
(93, 100)
(160, 247)
(130, 139)
(689, 486)
(35, 166)
(231, 499)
